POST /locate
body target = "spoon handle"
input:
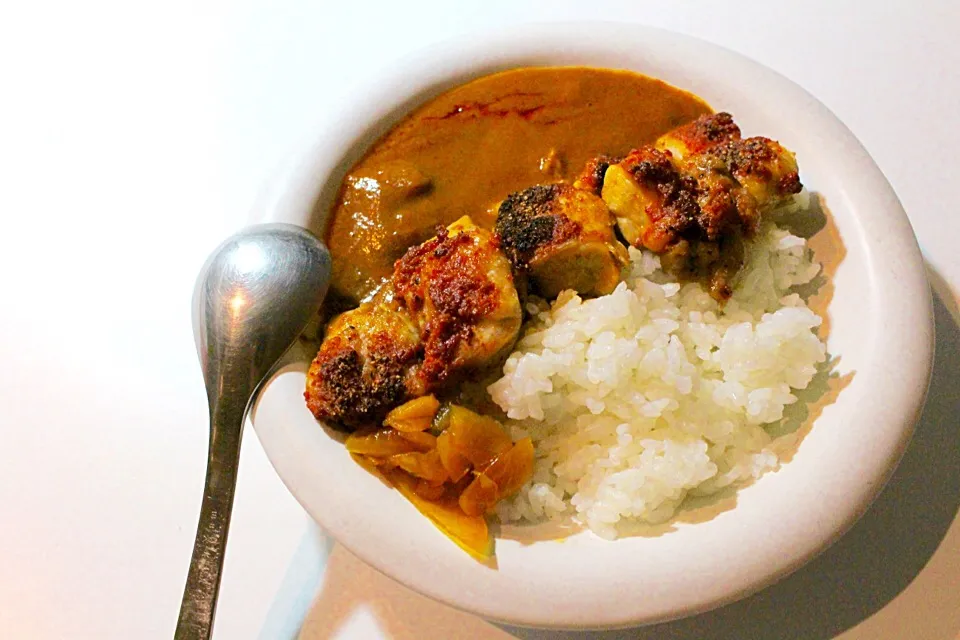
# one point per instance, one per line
(203, 580)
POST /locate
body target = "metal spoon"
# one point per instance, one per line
(254, 296)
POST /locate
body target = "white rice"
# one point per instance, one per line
(639, 398)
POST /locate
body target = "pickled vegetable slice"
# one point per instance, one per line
(511, 470)
(456, 465)
(415, 415)
(429, 491)
(420, 438)
(477, 438)
(470, 533)
(426, 466)
(381, 444)
(480, 497)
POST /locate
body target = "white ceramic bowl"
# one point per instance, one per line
(880, 322)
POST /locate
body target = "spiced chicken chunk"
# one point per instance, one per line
(697, 194)
(366, 365)
(459, 290)
(563, 238)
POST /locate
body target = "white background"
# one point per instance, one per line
(134, 136)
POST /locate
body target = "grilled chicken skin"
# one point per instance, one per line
(563, 238)
(697, 193)
(458, 288)
(366, 365)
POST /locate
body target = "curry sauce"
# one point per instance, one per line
(464, 151)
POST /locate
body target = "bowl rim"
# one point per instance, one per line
(379, 102)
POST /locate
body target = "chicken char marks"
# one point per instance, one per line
(365, 366)
(450, 308)
(527, 221)
(696, 194)
(562, 238)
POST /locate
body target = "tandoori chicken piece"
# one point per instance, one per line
(458, 288)
(657, 199)
(762, 167)
(697, 193)
(652, 202)
(563, 237)
(366, 365)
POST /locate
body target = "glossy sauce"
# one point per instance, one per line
(464, 151)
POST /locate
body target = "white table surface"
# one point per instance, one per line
(135, 135)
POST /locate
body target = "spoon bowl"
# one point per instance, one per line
(254, 296)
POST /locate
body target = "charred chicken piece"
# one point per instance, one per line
(652, 202)
(563, 238)
(697, 194)
(366, 365)
(458, 288)
(762, 167)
